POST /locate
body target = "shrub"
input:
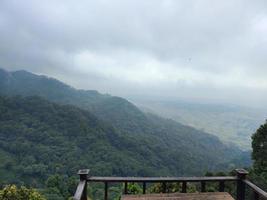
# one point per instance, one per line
(12, 192)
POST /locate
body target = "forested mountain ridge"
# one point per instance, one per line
(40, 138)
(125, 141)
(107, 107)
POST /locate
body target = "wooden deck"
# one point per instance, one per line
(181, 196)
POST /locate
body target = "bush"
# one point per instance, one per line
(12, 192)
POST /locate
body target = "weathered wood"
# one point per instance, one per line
(126, 188)
(83, 173)
(181, 196)
(106, 191)
(79, 194)
(161, 179)
(144, 187)
(256, 196)
(256, 189)
(81, 191)
(164, 187)
(240, 180)
(203, 186)
(184, 187)
(221, 186)
(241, 186)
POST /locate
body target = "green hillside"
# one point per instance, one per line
(107, 134)
(109, 108)
(232, 124)
(39, 138)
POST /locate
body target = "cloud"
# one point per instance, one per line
(173, 48)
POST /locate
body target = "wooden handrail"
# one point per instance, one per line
(240, 179)
(146, 180)
(160, 179)
(256, 189)
(80, 190)
(240, 185)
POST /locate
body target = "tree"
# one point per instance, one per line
(11, 192)
(61, 186)
(259, 154)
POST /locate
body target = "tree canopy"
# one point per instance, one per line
(259, 154)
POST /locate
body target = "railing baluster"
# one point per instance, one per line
(221, 186)
(203, 186)
(144, 187)
(184, 187)
(256, 196)
(240, 179)
(106, 191)
(164, 187)
(125, 188)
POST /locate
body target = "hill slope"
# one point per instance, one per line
(109, 108)
(141, 144)
(39, 138)
(232, 124)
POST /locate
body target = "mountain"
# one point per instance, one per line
(65, 129)
(106, 107)
(231, 123)
(40, 138)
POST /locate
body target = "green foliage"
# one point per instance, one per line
(107, 134)
(230, 187)
(259, 145)
(159, 187)
(12, 192)
(62, 186)
(44, 138)
(232, 124)
(259, 154)
(134, 188)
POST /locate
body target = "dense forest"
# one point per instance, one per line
(49, 130)
(109, 108)
(40, 138)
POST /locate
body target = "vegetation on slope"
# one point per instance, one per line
(12, 192)
(107, 134)
(39, 138)
(259, 155)
(232, 124)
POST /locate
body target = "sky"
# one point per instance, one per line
(197, 50)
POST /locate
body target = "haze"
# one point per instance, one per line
(208, 51)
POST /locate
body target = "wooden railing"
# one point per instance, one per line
(239, 179)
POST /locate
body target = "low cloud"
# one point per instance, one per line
(206, 50)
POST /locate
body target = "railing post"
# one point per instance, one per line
(83, 173)
(164, 188)
(241, 186)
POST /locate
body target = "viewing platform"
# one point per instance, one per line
(240, 180)
(181, 196)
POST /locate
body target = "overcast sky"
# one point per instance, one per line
(214, 51)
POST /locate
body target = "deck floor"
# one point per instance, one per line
(181, 196)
